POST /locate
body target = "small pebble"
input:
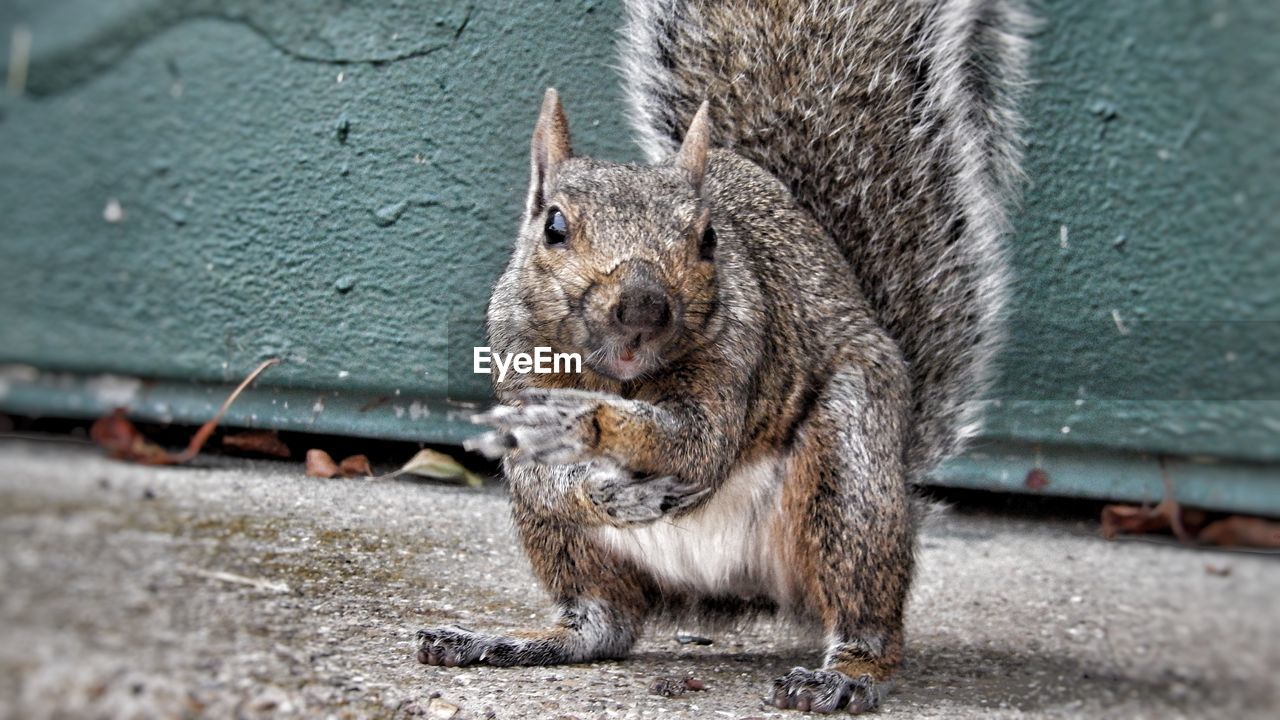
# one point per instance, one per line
(440, 710)
(684, 639)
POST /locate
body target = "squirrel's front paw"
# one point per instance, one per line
(631, 500)
(825, 691)
(549, 427)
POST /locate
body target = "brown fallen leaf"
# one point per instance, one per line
(433, 464)
(320, 465)
(1218, 570)
(122, 440)
(675, 686)
(1241, 531)
(355, 466)
(1134, 520)
(1139, 519)
(1036, 479)
(263, 442)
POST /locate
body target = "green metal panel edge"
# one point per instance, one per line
(25, 390)
(1101, 474)
(992, 464)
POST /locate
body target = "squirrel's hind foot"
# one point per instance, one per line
(589, 630)
(454, 646)
(825, 691)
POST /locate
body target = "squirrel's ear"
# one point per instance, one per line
(549, 148)
(692, 157)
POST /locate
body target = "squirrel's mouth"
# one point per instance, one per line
(628, 360)
(628, 353)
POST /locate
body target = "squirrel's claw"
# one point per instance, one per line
(549, 445)
(629, 500)
(455, 646)
(554, 445)
(559, 396)
(548, 427)
(824, 691)
(507, 417)
(492, 445)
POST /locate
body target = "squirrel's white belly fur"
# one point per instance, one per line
(723, 548)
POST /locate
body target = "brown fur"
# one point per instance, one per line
(779, 337)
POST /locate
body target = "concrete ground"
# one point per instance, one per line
(248, 589)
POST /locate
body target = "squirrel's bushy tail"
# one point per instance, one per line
(894, 122)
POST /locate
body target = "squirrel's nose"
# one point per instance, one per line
(643, 309)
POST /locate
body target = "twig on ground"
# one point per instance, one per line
(122, 440)
(269, 585)
(202, 435)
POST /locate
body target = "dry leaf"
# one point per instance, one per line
(1036, 479)
(122, 440)
(1168, 515)
(320, 465)
(433, 464)
(1241, 531)
(675, 686)
(1133, 519)
(263, 442)
(355, 466)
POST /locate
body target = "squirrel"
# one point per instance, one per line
(787, 320)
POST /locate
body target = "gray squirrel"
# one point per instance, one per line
(786, 320)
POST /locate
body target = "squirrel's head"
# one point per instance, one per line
(616, 262)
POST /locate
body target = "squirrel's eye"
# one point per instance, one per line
(707, 247)
(556, 229)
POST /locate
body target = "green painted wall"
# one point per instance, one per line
(297, 179)
(336, 183)
(1154, 169)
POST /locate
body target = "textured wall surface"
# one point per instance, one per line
(1148, 249)
(336, 183)
(325, 182)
